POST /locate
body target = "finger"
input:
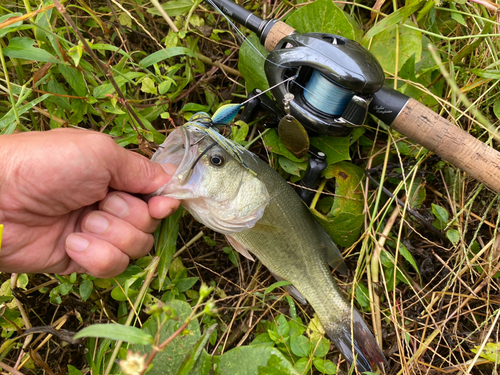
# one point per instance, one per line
(161, 207)
(130, 209)
(98, 257)
(130, 240)
(135, 173)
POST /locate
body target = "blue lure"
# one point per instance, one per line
(224, 115)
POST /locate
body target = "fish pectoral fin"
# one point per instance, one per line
(333, 255)
(239, 247)
(363, 349)
(291, 290)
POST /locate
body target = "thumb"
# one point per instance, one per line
(134, 173)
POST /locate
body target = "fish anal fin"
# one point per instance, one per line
(363, 349)
(332, 253)
(239, 247)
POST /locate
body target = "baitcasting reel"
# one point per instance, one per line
(336, 80)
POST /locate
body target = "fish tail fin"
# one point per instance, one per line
(363, 349)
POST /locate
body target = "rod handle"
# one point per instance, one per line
(451, 143)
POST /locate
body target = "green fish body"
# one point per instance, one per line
(261, 214)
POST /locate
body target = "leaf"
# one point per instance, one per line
(282, 327)
(292, 167)
(491, 74)
(116, 332)
(171, 358)
(274, 144)
(163, 55)
(263, 339)
(22, 48)
(496, 109)
(453, 235)
(194, 107)
(148, 86)
(403, 250)
(277, 284)
(396, 17)
(101, 91)
(254, 359)
(440, 213)
(166, 243)
(362, 295)
(109, 108)
(86, 288)
(239, 132)
(75, 79)
(5, 30)
(384, 46)
(491, 352)
(457, 16)
(303, 365)
(335, 148)
(9, 118)
(232, 255)
(320, 348)
(300, 345)
(345, 219)
(195, 352)
(174, 8)
(74, 371)
(185, 284)
(322, 16)
(177, 270)
(251, 63)
(325, 366)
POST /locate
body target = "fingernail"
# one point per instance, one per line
(97, 224)
(116, 206)
(169, 168)
(76, 243)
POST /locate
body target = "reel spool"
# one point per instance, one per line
(336, 79)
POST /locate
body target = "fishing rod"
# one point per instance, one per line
(339, 82)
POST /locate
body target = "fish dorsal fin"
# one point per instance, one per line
(291, 290)
(239, 247)
(332, 252)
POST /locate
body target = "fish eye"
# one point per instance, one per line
(217, 160)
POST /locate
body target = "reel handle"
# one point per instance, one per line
(453, 144)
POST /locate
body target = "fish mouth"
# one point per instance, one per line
(174, 150)
(179, 149)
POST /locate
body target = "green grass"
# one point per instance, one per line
(432, 299)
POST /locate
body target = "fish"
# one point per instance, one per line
(262, 216)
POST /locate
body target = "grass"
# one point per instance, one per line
(431, 296)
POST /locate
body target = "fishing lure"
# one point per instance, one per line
(223, 116)
(207, 124)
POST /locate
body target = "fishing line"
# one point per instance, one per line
(270, 88)
(325, 96)
(240, 33)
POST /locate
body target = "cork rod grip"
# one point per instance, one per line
(454, 145)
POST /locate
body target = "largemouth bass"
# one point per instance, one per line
(261, 215)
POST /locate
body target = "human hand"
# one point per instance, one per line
(66, 207)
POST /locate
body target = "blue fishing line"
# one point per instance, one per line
(325, 96)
